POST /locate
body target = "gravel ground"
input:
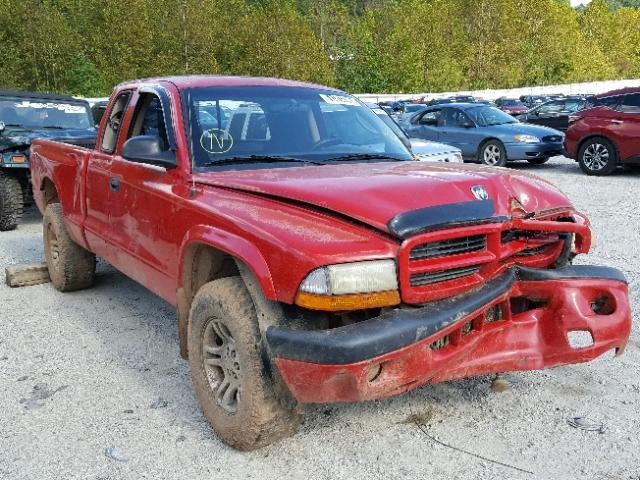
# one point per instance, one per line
(93, 387)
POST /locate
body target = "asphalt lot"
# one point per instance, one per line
(93, 387)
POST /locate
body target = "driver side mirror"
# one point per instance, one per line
(148, 149)
(467, 124)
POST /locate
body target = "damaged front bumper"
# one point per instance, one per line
(522, 320)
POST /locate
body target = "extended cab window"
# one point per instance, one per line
(114, 121)
(148, 119)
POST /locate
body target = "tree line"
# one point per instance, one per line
(84, 47)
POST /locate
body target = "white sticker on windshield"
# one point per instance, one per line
(340, 100)
(65, 107)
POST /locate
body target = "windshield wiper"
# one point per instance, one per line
(259, 159)
(57, 127)
(364, 156)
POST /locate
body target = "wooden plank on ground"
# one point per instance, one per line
(27, 275)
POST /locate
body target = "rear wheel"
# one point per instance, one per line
(236, 394)
(492, 153)
(71, 267)
(538, 161)
(597, 156)
(11, 202)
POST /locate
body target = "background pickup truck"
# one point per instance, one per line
(23, 117)
(310, 260)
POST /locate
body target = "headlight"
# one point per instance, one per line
(350, 286)
(526, 139)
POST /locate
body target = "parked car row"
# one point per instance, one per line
(602, 131)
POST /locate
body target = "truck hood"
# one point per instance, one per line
(14, 138)
(375, 193)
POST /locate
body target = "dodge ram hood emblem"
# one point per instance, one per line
(479, 192)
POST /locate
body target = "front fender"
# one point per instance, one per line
(235, 246)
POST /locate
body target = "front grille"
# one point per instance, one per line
(427, 278)
(552, 138)
(448, 247)
(432, 266)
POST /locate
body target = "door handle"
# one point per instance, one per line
(114, 184)
(617, 122)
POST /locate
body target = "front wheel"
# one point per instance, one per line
(235, 391)
(597, 157)
(11, 204)
(538, 161)
(492, 153)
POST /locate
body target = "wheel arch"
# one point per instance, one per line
(484, 141)
(207, 254)
(594, 136)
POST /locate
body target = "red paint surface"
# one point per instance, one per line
(531, 340)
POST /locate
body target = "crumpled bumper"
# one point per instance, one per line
(521, 320)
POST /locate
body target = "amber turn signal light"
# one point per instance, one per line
(354, 301)
(18, 159)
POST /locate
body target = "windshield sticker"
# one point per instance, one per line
(65, 107)
(216, 141)
(339, 100)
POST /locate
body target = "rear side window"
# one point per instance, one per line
(452, 117)
(631, 103)
(430, 118)
(114, 120)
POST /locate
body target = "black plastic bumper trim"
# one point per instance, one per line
(403, 326)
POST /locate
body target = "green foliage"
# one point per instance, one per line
(84, 47)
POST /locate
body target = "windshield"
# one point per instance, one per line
(485, 116)
(44, 113)
(310, 124)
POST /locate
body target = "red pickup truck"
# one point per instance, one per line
(309, 258)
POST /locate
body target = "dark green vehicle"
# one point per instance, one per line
(23, 117)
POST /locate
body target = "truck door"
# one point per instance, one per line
(97, 225)
(143, 203)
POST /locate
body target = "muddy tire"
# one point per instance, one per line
(11, 202)
(71, 267)
(236, 394)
